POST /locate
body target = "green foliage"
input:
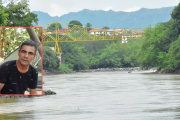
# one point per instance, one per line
(3, 17)
(88, 25)
(108, 57)
(50, 59)
(79, 59)
(54, 26)
(151, 46)
(176, 13)
(51, 44)
(74, 22)
(161, 46)
(19, 14)
(117, 54)
(64, 68)
(105, 27)
(172, 58)
(100, 54)
(75, 56)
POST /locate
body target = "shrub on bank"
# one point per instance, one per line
(64, 68)
(50, 59)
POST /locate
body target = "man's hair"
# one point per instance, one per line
(29, 43)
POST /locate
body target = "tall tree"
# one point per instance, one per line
(50, 59)
(88, 25)
(74, 22)
(160, 47)
(105, 27)
(3, 15)
(176, 13)
(54, 26)
(176, 16)
(19, 14)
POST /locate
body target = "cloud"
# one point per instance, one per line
(132, 9)
(61, 7)
(56, 10)
(108, 8)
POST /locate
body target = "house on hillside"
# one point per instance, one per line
(138, 34)
(118, 31)
(62, 31)
(105, 31)
(109, 32)
(96, 31)
(101, 31)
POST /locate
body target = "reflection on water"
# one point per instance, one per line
(101, 96)
(5, 100)
(17, 116)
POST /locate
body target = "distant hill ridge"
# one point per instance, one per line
(99, 18)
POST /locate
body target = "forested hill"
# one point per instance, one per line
(98, 18)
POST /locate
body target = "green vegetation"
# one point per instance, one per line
(74, 22)
(50, 59)
(14, 13)
(17, 14)
(161, 46)
(105, 27)
(64, 68)
(53, 26)
(89, 26)
(3, 15)
(98, 54)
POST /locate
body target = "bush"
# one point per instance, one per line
(50, 59)
(64, 68)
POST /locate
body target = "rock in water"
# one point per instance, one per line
(48, 92)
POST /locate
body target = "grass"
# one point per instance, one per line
(64, 68)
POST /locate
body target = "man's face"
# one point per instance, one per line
(26, 54)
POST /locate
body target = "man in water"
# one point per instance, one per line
(17, 76)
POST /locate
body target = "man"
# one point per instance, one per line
(17, 76)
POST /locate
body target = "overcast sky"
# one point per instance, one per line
(61, 7)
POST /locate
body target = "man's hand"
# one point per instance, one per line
(1, 87)
(33, 91)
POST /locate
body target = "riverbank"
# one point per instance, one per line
(129, 70)
(168, 71)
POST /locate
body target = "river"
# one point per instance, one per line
(101, 96)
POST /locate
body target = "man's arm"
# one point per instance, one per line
(33, 91)
(1, 87)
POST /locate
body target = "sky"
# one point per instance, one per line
(61, 7)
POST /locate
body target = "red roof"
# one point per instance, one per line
(64, 30)
(98, 30)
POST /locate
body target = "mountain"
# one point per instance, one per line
(99, 18)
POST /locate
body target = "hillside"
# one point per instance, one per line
(98, 18)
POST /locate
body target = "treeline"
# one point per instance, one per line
(160, 48)
(16, 13)
(100, 54)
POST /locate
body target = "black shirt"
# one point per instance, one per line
(16, 82)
